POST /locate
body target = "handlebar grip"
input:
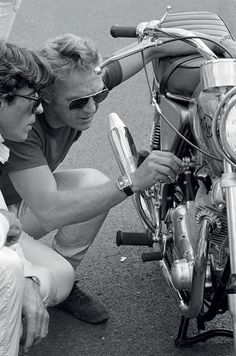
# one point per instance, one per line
(123, 31)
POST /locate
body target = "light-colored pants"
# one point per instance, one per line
(11, 296)
(8, 10)
(11, 271)
(71, 241)
(55, 286)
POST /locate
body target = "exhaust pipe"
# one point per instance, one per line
(122, 144)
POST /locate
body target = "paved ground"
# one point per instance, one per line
(144, 318)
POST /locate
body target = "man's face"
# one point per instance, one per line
(77, 84)
(18, 115)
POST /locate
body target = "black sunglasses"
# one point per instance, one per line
(37, 100)
(81, 102)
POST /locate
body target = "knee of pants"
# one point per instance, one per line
(10, 262)
(48, 289)
(55, 287)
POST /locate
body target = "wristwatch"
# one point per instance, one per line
(124, 184)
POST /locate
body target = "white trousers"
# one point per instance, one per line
(55, 286)
(11, 271)
(11, 296)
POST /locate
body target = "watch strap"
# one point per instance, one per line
(124, 184)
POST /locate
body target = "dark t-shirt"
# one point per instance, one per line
(45, 145)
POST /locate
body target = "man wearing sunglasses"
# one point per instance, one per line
(25, 288)
(74, 202)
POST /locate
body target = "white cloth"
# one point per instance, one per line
(11, 297)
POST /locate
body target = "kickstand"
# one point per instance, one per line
(182, 339)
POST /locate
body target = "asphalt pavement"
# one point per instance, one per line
(143, 316)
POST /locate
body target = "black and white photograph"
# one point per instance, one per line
(118, 178)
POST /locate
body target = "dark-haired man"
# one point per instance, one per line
(25, 289)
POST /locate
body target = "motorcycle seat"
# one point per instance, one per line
(171, 72)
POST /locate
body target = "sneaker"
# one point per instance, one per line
(85, 307)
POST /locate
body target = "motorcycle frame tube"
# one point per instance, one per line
(191, 309)
(229, 185)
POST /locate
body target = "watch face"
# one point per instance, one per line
(124, 183)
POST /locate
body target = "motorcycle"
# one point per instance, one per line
(190, 222)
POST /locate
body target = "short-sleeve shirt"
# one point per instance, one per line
(45, 145)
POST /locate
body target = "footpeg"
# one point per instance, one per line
(134, 238)
(152, 256)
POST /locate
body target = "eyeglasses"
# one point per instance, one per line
(81, 102)
(37, 100)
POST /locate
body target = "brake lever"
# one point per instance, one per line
(147, 42)
(151, 27)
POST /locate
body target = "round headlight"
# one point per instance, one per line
(228, 130)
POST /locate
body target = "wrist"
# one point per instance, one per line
(124, 184)
(135, 185)
(33, 280)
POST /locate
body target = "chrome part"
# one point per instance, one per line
(212, 217)
(229, 184)
(182, 274)
(227, 128)
(191, 307)
(218, 74)
(216, 195)
(182, 231)
(141, 46)
(225, 98)
(122, 144)
(127, 158)
(232, 309)
(155, 140)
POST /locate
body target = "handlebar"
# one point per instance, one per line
(149, 36)
(123, 31)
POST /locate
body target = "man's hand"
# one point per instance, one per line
(158, 166)
(15, 227)
(35, 314)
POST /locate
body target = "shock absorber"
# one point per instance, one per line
(155, 140)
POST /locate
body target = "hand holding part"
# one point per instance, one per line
(35, 313)
(15, 227)
(160, 166)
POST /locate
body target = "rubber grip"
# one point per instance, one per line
(151, 256)
(133, 238)
(123, 31)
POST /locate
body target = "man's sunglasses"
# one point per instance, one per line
(81, 102)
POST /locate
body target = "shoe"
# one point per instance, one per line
(85, 307)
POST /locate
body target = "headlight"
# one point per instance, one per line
(228, 130)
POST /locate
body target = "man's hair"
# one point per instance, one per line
(69, 52)
(21, 67)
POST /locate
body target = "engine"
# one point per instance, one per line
(184, 224)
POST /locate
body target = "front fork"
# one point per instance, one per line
(228, 183)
